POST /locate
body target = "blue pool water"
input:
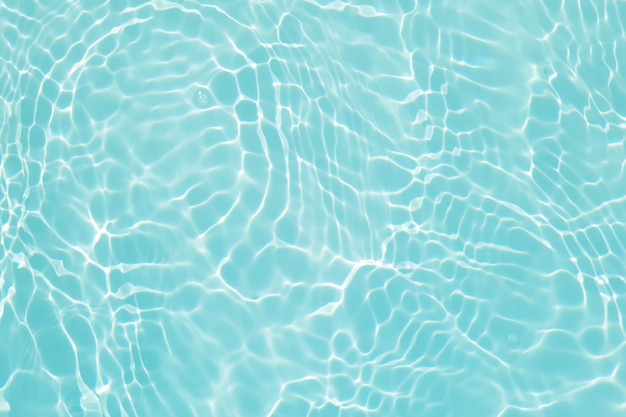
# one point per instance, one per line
(313, 208)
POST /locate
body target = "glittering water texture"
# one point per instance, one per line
(312, 208)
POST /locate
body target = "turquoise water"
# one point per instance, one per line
(312, 208)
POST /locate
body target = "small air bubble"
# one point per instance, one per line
(201, 98)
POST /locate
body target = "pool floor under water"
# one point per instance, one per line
(314, 208)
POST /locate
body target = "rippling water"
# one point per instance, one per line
(312, 208)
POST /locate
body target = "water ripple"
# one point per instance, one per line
(317, 208)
